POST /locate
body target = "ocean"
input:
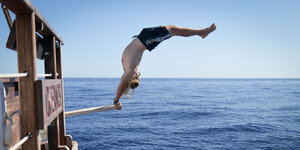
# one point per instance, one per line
(187, 114)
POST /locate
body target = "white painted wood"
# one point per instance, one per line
(89, 110)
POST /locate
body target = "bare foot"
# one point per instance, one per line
(208, 30)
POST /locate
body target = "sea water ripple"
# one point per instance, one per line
(187, 114)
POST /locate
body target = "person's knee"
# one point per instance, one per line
(172, 29)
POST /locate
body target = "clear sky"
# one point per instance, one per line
(254, 38)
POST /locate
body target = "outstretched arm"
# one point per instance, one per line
(123, 85)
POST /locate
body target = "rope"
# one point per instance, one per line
(89, 110)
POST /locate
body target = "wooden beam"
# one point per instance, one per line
(7, 16)
(59, 61)
(25, 6)
(50, 67)
(26, 42)
(62, 126)
(53, 135)
(39, 27)
(50, 57)
(90, 110)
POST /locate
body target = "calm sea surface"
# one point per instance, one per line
(187, 114)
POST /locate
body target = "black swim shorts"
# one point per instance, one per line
(151, 37)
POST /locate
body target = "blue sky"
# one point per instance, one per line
(254, 39)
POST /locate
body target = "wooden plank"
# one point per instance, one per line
(62, 126)
(59, 61)
(25, 6)
(2, 115)
(18, 5)
(7, 16)
(50, 67)
(50, 58)
(25, 29)
(49, 101)
(11, 41)
(53, 135)
(90, 110)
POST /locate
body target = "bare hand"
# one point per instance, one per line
(118, 106)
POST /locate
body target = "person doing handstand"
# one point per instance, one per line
(148, 38)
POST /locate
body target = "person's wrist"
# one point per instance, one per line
(116, 102)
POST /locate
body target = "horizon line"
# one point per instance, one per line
(197, 77)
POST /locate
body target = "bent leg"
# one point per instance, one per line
(179, 31)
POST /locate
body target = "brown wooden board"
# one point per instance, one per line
(62, 126)
(25, 6)
(49, 101)
(26, 46)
